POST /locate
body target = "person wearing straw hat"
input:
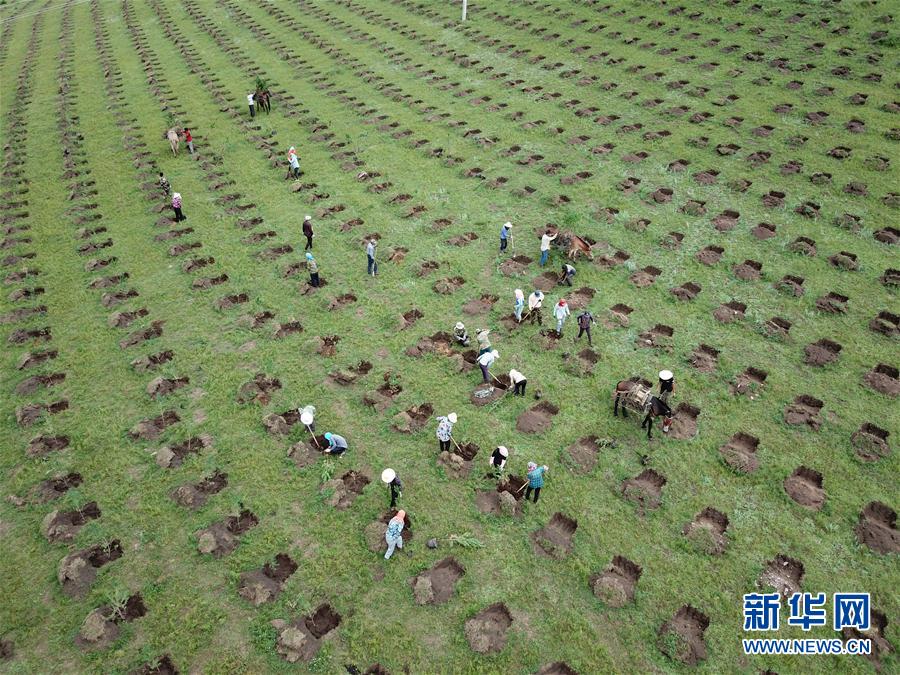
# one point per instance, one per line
(308, 232)
(337, 445)
(460, 334)
(485, 361)
(444, 430)
(313, 268)
(392, 480)
(497, 460)
(394, 533)
(666, 386)
(535, 480)
(520, 304)
(308, 417)
(505, 233)
(484, 341)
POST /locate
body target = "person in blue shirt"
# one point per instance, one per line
(535, 480)
(505, 235)
(394, 534)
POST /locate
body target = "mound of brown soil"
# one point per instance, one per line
(259, 389)
(615, 585)
(645, 277)
(54, 488)
(584, 453)
(77, 571)
(729, 312)
(749, 270)
(162, 386)
(822, 353)
(877, 528)
(681, 638)
(345, 490)
(886, 323)
(645, 489)
(658, 337)
(687, 291)
(458, 460)
(515, 265)
(804, 410)
(555, 538)
(870, 442)
(152, 361)
(804, 486)
(171, 456)
(707, 531)
(480, 306)
(486, 631)
(684, 422)
(341, 301)
(43, 445)
(436, 585)
(265, 584)
(151, 429)
(301, 640)
(783, 574)
(100, 628)
(62, 526)
(413, 419)
(221, 538)
(705, 358)
(740, 452)
(161, 666)
(750, 383)
(194, 495)
(448, 285)
(777, 327)
(537, 418)
(832, 303)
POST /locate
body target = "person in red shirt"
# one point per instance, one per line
(189, 140)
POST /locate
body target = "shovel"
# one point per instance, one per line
(313, 437)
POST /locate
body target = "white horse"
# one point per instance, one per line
(173, 137)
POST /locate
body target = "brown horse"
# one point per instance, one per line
(638, 397)
(574, 245)
(263, 98)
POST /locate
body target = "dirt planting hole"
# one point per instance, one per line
(740, 452)
(645, 489)
(412, 419)
(749, 383)
(486, 631)
(584, 453)
(877, 528)
(448, 285)
(537, 418)
(804, 486)
(62, 526)
(870, 442)
(705, 358)
(555, 539)
(458, 460)
(615, 586)
(681, 638)
(804, 410)
(706, 531)
(265, 584)
(221, 538)
(783, 574)
(822, 353)
(77, 571)
(194, 495)
(436, 585)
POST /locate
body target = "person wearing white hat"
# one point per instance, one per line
(485, 361)
(504, 235)
(460, 334)
(518, 381)
(498, 459)
(444, 431)
(666, 386)
(390, 477)
(520, 304)
(308, 232)
(484, 342)
(308, 417)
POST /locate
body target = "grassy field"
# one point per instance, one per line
(530, 112)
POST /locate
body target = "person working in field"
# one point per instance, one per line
(337, 445)
(666, 386)
(394, 534)
(568, 273)
(505, 233)
(497, 460)
(535, 480)
(445, 431)
(518, 381)
(313, 268)
(585, 321)
(460, 334)
(545, 245)
(519, 304)
(484, 341)
(561, 312)
(308, 232)
(163, 183)
(485, 361)
(535, 302)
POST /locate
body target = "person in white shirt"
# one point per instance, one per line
(545, 246)
(561, 312)
(535, 300)
(518, 380)
(250, 102)
(485, 361)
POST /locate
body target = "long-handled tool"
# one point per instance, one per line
(313, 437)
(456, 444)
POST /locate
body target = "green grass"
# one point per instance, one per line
(194, 611)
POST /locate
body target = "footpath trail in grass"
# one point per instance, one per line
(734, 170)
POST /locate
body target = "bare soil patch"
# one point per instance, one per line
(706, 531)
(458, 460)
(536, 419)
(615, 586)
(486, 631)
(804, 486)
(345, 490)
(784, 574)
(194, 495)
(740, 452)
(681, 638)
(705, 358)
(877, 528)
(645, 489)
(436, 585)
(265, 584)
(554, 540)
(480, 306)
(804, 410)
(514, 266)
(301, 640)
(448, 285)
(221, 538)
(658, 337)
(412, 419)
(750, 383)
(77, 571)
(584, 453)
(62, 526)
(151, 429)
(870, 442)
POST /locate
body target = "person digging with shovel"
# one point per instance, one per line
(444, 431)
(392, 480)
(485, 361)
(535, 302)
(535, 480)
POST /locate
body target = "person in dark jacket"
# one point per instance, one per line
(666, 385)
(498, 459)
(308, 232)
(585, 321)
(390, 477)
